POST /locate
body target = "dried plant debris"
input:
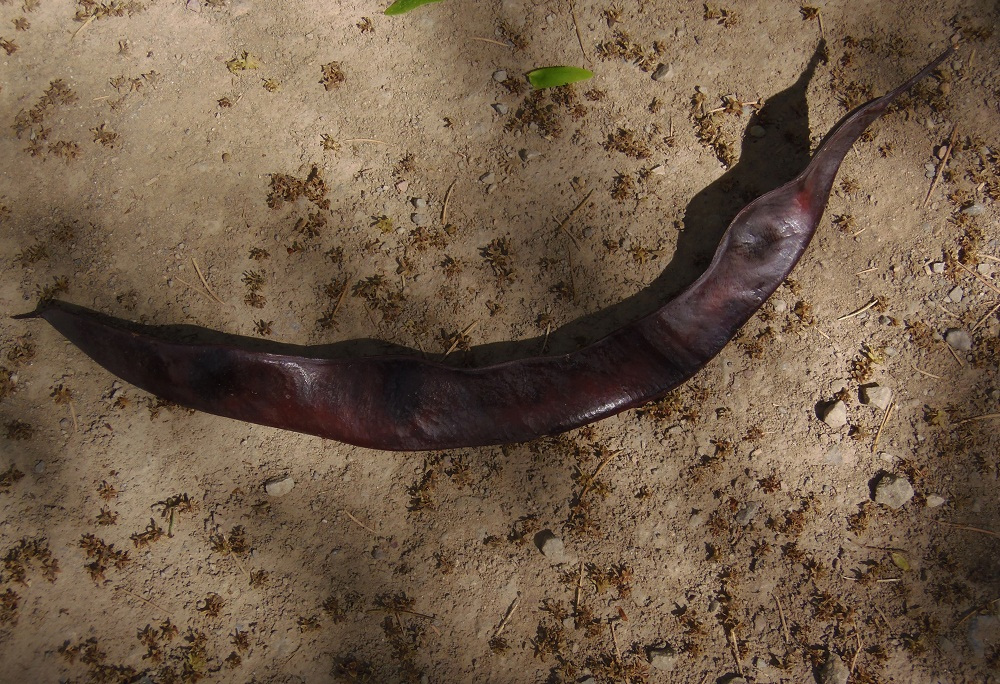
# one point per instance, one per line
(286, 188)
(28, 555)
(88, 10)
(235, 543)
(332, 75)
(102, 557)
(543, 111)
(621, 46)
(9, 478)
(244, 61)
(18, 430)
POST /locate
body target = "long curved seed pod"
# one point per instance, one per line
(409, 403)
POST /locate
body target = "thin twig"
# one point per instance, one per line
(85, 25)
(969, 528)
(579, 588)
(985, 416)
(191, 287)
(981, 279)
(984, 318)
(854, 660)
(885, 419)
(731, 638)
(143, 598)
(506, 617)
(957, 358)
(781, 617)
(343, 293)
(444, 207)
(940, 168)
(614, 640)
(597, 471)
(72, 414)
(205, 282)
(923, 372)
(454, 345)
(562, 225)
(858, 312)
(494, 42)
(348, 514)
(579, 38)
(368, 140)
(545, 342)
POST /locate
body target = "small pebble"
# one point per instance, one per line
(956, 294)
(279, 487)
(401, 186)
(500, 108)
(418, 219)
(834, 415)
(893, 491)
(527, 156)
(877, 396)
(974, 209)
(758, 131)
(499, 75)
(937, 267)
(419, 202)
(833, 671)
(39, 467)
(664, 658)
(935, 501)
(663, 72)
(378, 553)
(659, 170)
(746, 514)
(959, 339)
(488, 178)
(551, 546)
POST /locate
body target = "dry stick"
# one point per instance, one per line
(614, 640)
(885, 419)
(192, 287)
(72, 414)
(85, 25)
(579, 38)
(444, 208)
(957, 359)
(923, 372)
(205, 282)
(940, 168)
(983, 280)
(854, 660)
(858, 312)
(490, 40)
(562, 225)
(579, 588)
(369, 140)
(545, 342)
(143, 598)
(984, 318)
(941, 306)
(348, 514)
(597, 471)
(985, 416)
(867, 270)
(343, 293)
(506, 616)
(469, 328)
(781, 616)
(819, 20)
(731, 638)
(969, 528)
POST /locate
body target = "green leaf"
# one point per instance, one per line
(403, 6)
(552, 77)
(899, 560)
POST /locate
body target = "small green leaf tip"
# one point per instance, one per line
(552, 77)
(403, 6)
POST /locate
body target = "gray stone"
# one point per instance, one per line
(745, 516)
(758, 131)
(500, 108)
(937, 267)
(893, 491)
(663, 72)
(956, 294)
(877, 396)
(39, 467)
(488, 178)
(279, 486)
(551, 546)
(833, 671)
(834, 415)
(663, 658)
(974, 209)
(419, 219)
(958, 339)
(419, 202)
(935, 501)
(499, 75)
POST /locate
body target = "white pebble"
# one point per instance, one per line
(279, 487)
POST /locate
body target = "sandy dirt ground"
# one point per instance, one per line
(312, 172)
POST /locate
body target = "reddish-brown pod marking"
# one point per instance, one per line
(405, 402)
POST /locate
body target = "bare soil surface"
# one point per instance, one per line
(313, 172)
